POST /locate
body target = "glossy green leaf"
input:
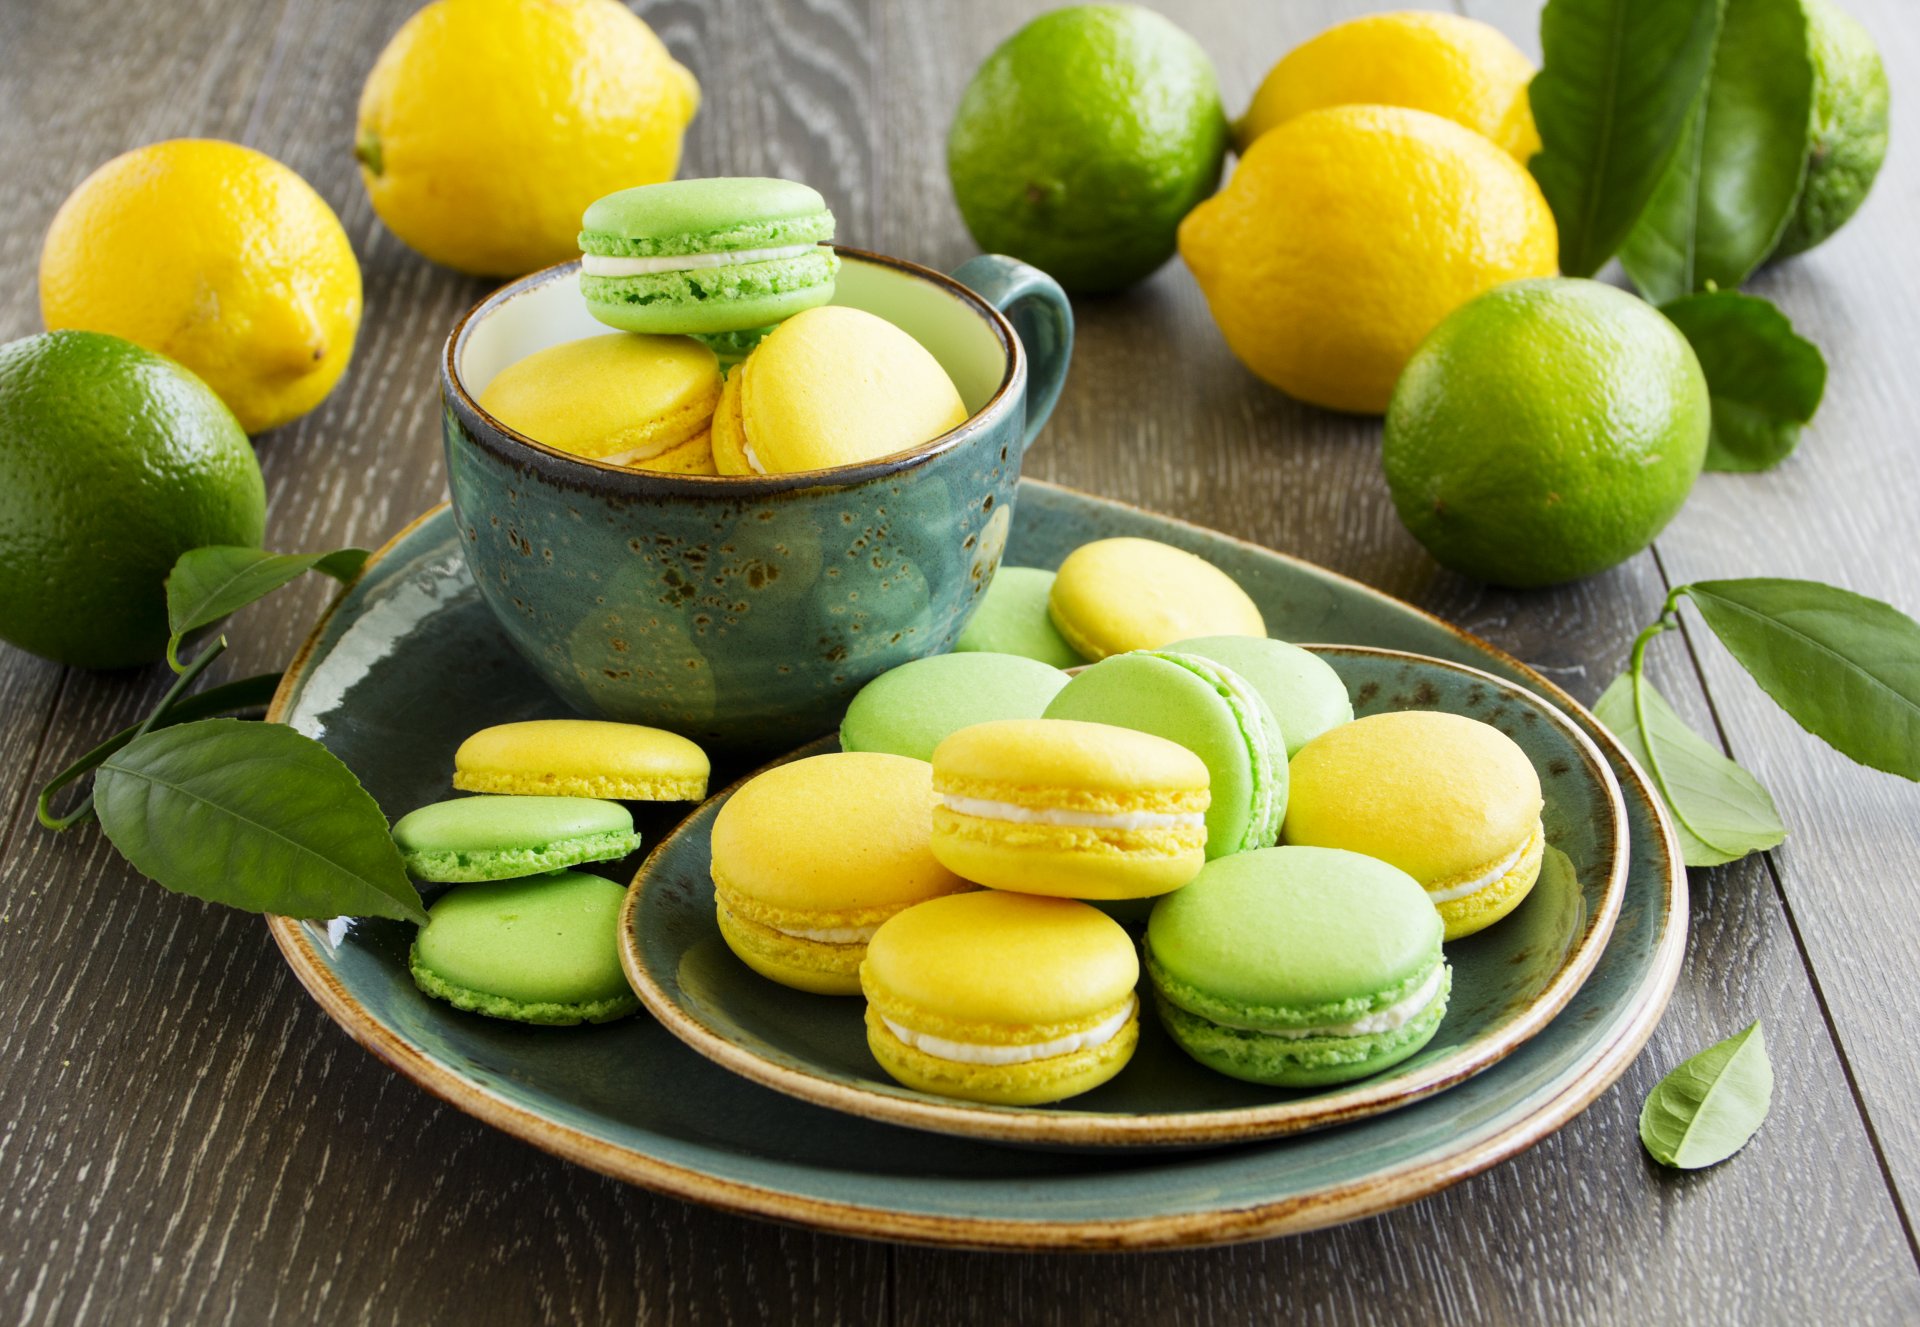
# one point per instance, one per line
(208, 583)
(255, 816)
(1709, 1106)
(1732, 184)
(1765, 379)
(1616, 85)
(1846, 667)
(1722, 812)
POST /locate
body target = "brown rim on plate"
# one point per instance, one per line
(1083, 1128)
(1326, 1207)
(567, 468)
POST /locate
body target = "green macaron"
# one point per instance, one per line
(1298, 967)
(706, 256)
(540, 950)
(501, 838)
(1300, 687)
(1013, 619)
(910, 710)
(1210, 710)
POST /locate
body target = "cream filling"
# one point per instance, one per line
(595, 264)
(753, 461)
(1060, 815)
(632, 454)
(973, 1052)
(1395, 1016)
(1485, 878)
(831, 935)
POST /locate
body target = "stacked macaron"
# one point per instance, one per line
(520, 935)
(1160, 774)
(713, 274)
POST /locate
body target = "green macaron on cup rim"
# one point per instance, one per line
(564, 467)
(665, 886)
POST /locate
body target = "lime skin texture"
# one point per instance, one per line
(1452, 801)
(504, 838)
(810, 857)
(538, 950)
(1545, 431)
(1069, 809)
(712, 216)
(1298, 967)
(1050, 1015)
(1851, 113)
(1083, 140)
(113, 462)
(1208, 709)
(910, 710)
(1012, 619)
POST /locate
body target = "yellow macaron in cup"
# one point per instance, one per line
(1070, 809)
(1452, 801)
(812, 857)
(1009, 999)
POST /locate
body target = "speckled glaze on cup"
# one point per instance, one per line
(744, 612)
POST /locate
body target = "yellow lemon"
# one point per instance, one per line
(487, 126)
(1457, 68)
(218, 257)
(1347, 234)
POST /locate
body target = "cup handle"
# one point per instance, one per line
(1041, 315)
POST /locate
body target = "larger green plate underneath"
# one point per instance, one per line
(409, 662)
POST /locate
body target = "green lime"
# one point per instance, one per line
(1083, 140)
(1545, 431)
(1849, 132)
(113, 462)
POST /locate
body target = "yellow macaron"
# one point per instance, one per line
(623, 398)
(828, 387)
(1002, 998)
(810, 858)
(1453, 802)
(623, 762)
(1115, 595)
(1072, 809)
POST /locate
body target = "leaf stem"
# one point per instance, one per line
(43, 806)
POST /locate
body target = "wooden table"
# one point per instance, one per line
(183, 1136)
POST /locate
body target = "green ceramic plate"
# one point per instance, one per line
(409, 662)
(1508, 981)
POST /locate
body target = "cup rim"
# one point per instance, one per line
(566, 467)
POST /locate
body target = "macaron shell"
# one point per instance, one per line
(730, 297)
(705, 216)
(1237, 739)
(1000, 968)
(1012, 619)
(1093, 765)
(805, 965)
(835, 386)
(830, 836)
(1067, 862)
(910, 710)
(1441, 796)
(582, 758)
(502, 838)
(1033, 1083)
(1304, 1062)
(608, 395)
(1293, 937)
(729, 442)
(1115, 595)
(541, 950)
(692, 457)
(1304, 692)
(1481, 909)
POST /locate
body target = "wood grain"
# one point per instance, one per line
(187, 1139)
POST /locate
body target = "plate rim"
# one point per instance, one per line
(1367, 1196)
(1102, 1129)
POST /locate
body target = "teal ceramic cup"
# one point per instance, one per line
(745, 611)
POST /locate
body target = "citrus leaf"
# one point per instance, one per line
(1722, 812)
(1765, 379)
(208, 583)
(1846, 667)
(255, 816)
(1709, 1106)
(1616, 84)
(1732, 184)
